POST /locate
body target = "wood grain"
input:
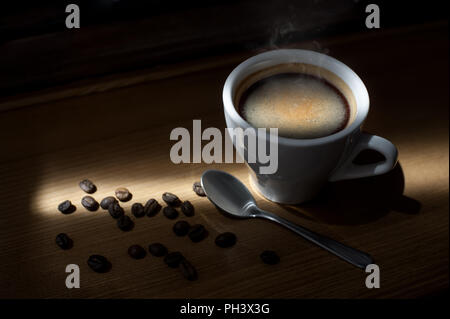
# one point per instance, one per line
(121, 138)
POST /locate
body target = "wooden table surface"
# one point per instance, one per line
(120, 137)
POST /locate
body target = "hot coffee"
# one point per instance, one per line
(300, 105)
(287, 81)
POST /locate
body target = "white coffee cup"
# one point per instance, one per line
(306, 165)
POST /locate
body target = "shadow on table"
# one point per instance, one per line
(359, 201)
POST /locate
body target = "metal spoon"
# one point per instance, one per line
(232, 197)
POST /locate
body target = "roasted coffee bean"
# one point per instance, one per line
(115, 210)
(197, 233)
(269, 257)
(89, 203)
(88, 186)
(187, 208)
(181, 228)
(198, 189)
(99, 263)
(64, 241)
(125, 223)
(173, 259)
(136, 252)
(123, 194)
(170, 212)
(171, 199)
(188, 270)
(107, 201)
(152, 207)
(157, 249)
(225, 240)
(66, 207)
(138, 210)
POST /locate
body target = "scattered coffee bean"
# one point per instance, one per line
(198, 189)
(136, 252)
(170, 212)
(269, 257)
(181, 228)
(125, 223)
(157, 249)
(188, 270)
(107, 201)
(197, 233)
(173, 259)
(99, 263)
(88, 186)
(187, 208)
(152, 207)
(66, 207)
(123, 194)
(138, 210)
(64, 241)
(225, 240)
(171, 199)
(115, 210)
(89, 203)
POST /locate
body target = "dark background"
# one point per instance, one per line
(37, 51)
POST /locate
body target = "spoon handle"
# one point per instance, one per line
(351, 255)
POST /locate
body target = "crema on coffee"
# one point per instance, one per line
(300, 105)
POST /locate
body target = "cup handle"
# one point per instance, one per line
(349, 170)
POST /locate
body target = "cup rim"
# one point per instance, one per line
(284, 56)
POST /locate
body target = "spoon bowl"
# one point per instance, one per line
(228, 194)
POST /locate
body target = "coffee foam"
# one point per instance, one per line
(300, 104)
